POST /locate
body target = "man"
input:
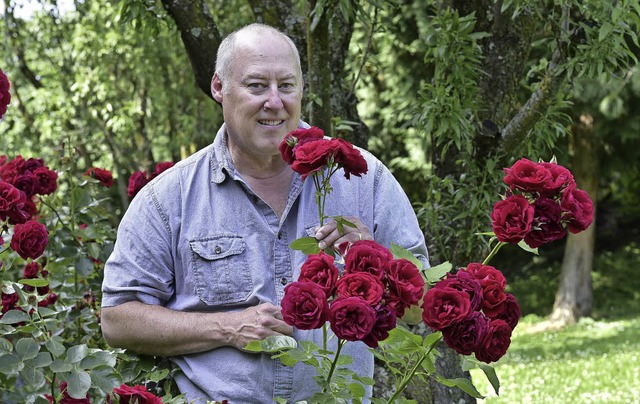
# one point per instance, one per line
(202, 255)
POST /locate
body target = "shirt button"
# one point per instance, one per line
(283, 281)
(279, 235)
(218, 249)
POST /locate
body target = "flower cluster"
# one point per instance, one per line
(542, 204)
(122, 395)
(362, 303)
(473, 311)
(5, 95)
(139, 179)
(103, 176)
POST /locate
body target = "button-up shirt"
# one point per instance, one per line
(198, 239)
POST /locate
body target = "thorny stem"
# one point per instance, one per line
(335, 361)
(493, 252)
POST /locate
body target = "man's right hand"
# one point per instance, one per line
(257, 323)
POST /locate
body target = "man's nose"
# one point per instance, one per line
(273, 101)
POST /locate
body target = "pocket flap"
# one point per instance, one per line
(217, 247)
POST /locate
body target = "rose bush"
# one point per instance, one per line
(5, 95)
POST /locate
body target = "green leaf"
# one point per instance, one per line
(157, 375)
(76, 353)
(14, 316)
(59, 366)
(55, 347)
(10, 364)
(27, 348)
(106, 379)
(5, 345)
(99, 358)
(434, 274)
(462, 383)
(42, 360)
(526, 247)
(78, 383)
(308, 245)
(32, 376)
(272, 344)
(400, 252)
(490, 372)
(35, 282)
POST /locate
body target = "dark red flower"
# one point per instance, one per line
(298, 137)
(137, 180)
(350, 159)
(311, 157)
(304, 305)
(29, 239)
(512, 218)
(578, 209)
(496, 341)
(527, 176)
(26, 182)
(23, 210)
(67, 399)
(31, 270)
(510, 311)
(467, 335)
(486, 274)
(464, 281)
(351, 318)
(9, 301)
(385, 321)
(5, 95)
(49, 300)
(547, 225)
(367, 256)
(361, 284)
(320, 269)
(561, 178)
(47, 180)
(492, 298)
(161, 167)
(405, 281)
(105, 177)
(443, 307)
(137, 394)
(10, 196)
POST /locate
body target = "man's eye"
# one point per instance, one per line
(287, 86)
(255, 85)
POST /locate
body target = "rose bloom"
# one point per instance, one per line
(361, 284)
(496, 341)
(5, 95)
(578, 209)
(486, 274)
(385, 321)
(464, 281)
(311, 157)
(510, 311)
(527, 176)
(547, 225)
(511, 219)
(350, 159)
(320, 269)
(47, 180)
(351, 318)
(367, 256)
(9, 301)
(298, 137)
(405, 281)
(31, 270)
(304, 305)
(23, 210)
(29, 239)
(161, 167)
(465, 336)
(492, 298)
(137, 180)
(26, 182)
(9, 197)
(105, 177)
(443, 307)
(561, 178)
(65, 398)
(137, 394)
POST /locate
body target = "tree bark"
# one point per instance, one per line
(319, 73)
(574, 297)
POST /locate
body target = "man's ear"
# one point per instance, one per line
(216, 88)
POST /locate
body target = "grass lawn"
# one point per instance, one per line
(594, 361)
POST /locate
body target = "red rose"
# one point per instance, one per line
(298, 137)
(49, 300)
(351, 318)
(26, 182)
(405, 281)
(578, 209)
(29, 239)
(464, 281)
(67, 399)
(137, 394)
(320, 269)
(510, 311)
(561, 178)
(137, 180)
(160, 167)
(9, 301)
(10, 196)
(304, 305)
(492, 298)
(105, 177)
(486, 274)
(47, 180)
(311, 157)
(31, 270)
(367, 256)
(443, 307)
(547, 225)
(496, 341)
(32, 164)
(512, 218)
(360, 284)
(350, 159)
(527, 176)
(385, 321)
(5, 95)
(466, 336)
(23, 210)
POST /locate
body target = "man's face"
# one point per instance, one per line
(262, 97)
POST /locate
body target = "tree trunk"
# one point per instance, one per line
(574, 297)
(319, 73)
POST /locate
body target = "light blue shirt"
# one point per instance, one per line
(197, 238)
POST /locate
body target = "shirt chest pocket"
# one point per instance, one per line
(220, 268)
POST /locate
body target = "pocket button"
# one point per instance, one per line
(218, 249)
